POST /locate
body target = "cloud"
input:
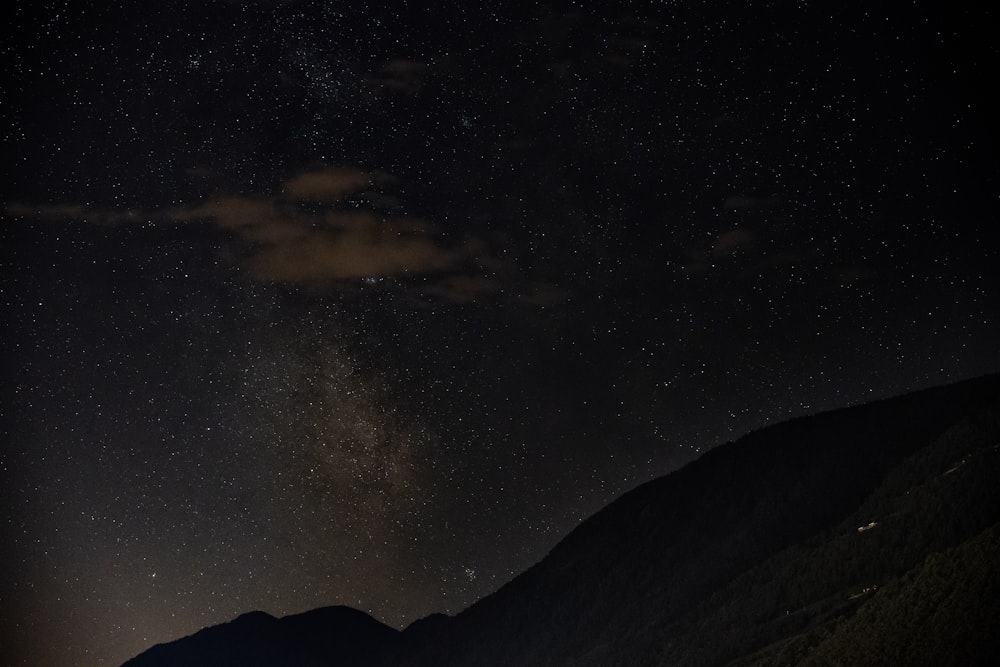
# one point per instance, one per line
(53, 212)
(376, 250)
(731, 242)
(307, 233)
(232, 212)
(326, 185)
(45, 211)
(293, 244)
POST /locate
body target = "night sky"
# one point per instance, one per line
(308, 304)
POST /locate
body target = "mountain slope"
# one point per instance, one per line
(609, 592)
(942, 496)
(769, 550)
(942, 612)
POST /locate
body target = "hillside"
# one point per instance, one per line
(859, 536)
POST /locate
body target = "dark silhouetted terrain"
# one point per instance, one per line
(867, 535)
(332, 635)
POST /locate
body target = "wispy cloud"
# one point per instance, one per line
(293, 243)
(332, 227)
(55, 212)
(733, 241)
(326, 185)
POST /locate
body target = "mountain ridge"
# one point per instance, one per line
(640, 581)
(314, 637)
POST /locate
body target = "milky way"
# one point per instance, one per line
(305, 304)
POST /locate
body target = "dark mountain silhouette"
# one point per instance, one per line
(868, 535)
(327, 636)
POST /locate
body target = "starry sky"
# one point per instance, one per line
(307, 303)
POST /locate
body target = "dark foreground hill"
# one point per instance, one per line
(321, 637)
(867, 535)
